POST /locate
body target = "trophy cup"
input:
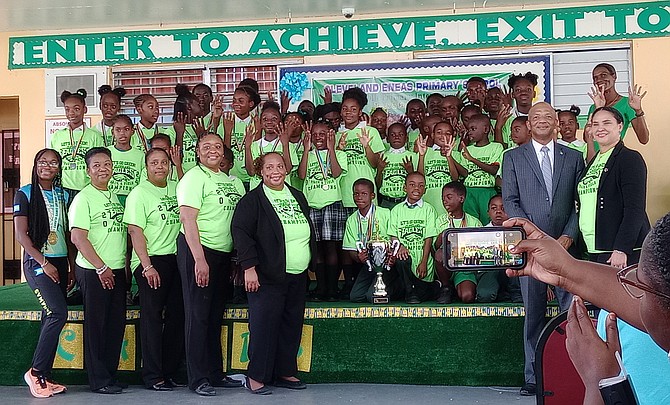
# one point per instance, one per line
(378, 252)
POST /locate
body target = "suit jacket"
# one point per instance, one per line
(525, 195)
(621, 218)
(258, 235)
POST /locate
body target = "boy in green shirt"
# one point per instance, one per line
(471, 286)
(481, 159)
(393, 167)
(413, 224)
(128, 161)
(369, 222)
(416, 112)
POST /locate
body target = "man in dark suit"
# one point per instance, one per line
(539, 183)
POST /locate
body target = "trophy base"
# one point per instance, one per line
(380, 300)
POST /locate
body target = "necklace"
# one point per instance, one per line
(75, 149)
(324, 167)
(53, 212)
(464, 222)
(365, 237)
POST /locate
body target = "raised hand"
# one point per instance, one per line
(407, 164)
(327, 96)
(251, 133)
(383, 162)
(217, 107)
(330, 140)
(597, 94)
(198, 125)
(635, 98)
(448, 148)
(364, 137)
(465, 152)
(422, 144)
(175, 155)
(256, 120)
(507, 96)
(179, 124)
(343, 141)
(228, 122)
(285, 100)
(503, 115)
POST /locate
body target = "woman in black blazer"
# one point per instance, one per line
(270, 221)
(612, 195)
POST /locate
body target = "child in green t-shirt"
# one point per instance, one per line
(427, 128)
(416, 112)
(148, 109)
(362, 143)
(128, 162)
(275, 138)
(296, 121)
(438, 164)
(453, 197)
(481, 159)
(245, 100)
(568, 126)
(394, 165)
(413, 224)
(320, 168)
(520, 135)
(379, 121)
(369, 222)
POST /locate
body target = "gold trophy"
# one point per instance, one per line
(378, 254)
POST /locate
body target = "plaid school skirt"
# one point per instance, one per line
(329, 221)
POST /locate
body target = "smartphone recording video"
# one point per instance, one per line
(482, 249)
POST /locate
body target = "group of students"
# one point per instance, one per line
(161, 201)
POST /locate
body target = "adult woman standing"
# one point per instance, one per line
(99, 234)
(39, 225)
(207, 198)
(270, 221)
(604, 94)
(612, 195)
(152, 217)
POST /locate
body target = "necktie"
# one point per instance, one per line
(546, 171)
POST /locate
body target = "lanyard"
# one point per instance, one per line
(274, 147)
(365, 237)
(464, 222)
(53, 209)
(143, 138)
(104, 133)
(324, 167)
(81, 138)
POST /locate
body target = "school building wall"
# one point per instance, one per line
(648, 55)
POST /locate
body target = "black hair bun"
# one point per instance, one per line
(181, 89)
(82, 93)
(104, 89)
(65, 95)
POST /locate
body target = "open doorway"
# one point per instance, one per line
(10, 177)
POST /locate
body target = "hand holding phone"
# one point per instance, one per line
(482, 249)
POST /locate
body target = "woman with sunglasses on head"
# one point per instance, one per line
(638, 297)
(98, 232)
(40, 227)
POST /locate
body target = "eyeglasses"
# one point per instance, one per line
(42, 163)
(633, 286)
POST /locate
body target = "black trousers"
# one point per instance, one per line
(203, 309)
(365, 284)
(276, 314)
(414, 286)
(104, 325)
(161, 321)
(51, 297)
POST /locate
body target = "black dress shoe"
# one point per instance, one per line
(264, 390)
(110, 389)
(413, 299)
(227, 382)
(170, 382)
(161, 386)
(121, 384)
(205, 390)
(528, 390)
(292, 385)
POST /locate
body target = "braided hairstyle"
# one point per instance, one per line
(107, 89)
(38, 216)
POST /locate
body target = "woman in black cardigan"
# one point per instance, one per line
(270, 221)
(612, 195)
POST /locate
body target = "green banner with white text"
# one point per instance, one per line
(458, 31)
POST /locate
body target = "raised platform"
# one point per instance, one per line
(477, 345)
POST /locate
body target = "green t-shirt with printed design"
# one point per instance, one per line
(412, 136)
(489, 154)
(357, 163)
(127, 172)
(412, 226)
(318, 197)
(154, 209)
(445, 221)
(295, 226)
(507, 132)
(215, 196)
(437, 173)
(142, 145)
(106, 133)
(359, 228)
(587, 189)
(394, 174)
(237, 145)
(293, 179)
(272, 146)
(100, 213)
(74, 165)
